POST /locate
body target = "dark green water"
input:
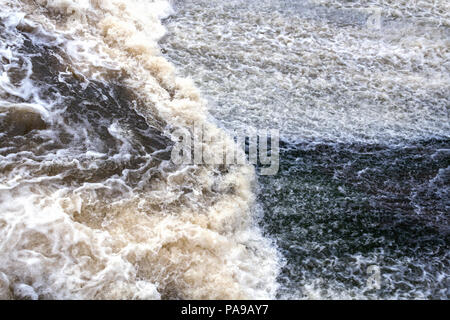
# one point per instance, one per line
(337, 209)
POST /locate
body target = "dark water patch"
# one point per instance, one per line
(20, 123)
(336, 209)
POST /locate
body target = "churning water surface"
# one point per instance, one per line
(360, 91)
(92, 207)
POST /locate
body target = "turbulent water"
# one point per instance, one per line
(360, 91)
(92, 207)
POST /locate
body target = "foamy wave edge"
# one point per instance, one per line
(211, 248)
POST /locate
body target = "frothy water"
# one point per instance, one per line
(92, 207)
(315, 71)
(360, 91)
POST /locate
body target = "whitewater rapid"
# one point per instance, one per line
(360, 91)
(91, 205)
